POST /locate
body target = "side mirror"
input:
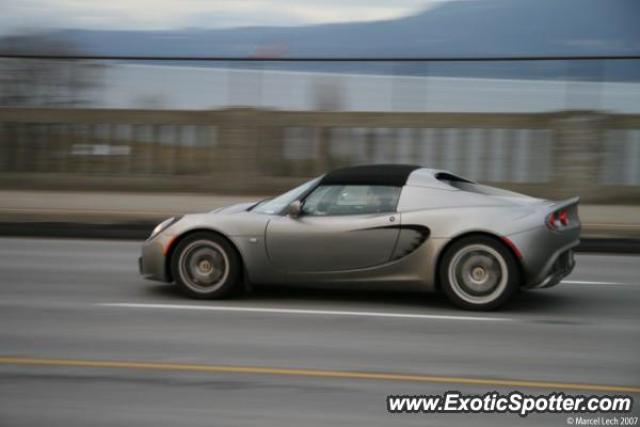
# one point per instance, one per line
(295, 209)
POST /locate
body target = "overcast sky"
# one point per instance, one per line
(30, 15)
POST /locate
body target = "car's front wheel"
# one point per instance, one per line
(206, 266)
(479, 273)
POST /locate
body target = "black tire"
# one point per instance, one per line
(206, 266)
(479, 273)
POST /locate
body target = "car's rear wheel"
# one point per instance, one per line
(479, 273)
(206, 266)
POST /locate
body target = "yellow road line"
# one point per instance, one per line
(492, 382)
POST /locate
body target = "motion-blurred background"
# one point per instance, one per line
(115, 115)
(190, 105)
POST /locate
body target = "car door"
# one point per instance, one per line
(341, 227)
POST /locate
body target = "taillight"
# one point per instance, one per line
(561, 217)
(551, 221)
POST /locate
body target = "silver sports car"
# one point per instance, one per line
(374, 225)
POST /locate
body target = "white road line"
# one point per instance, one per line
(302, 312)
(587, 282)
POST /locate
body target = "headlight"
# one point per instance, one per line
(162, 226)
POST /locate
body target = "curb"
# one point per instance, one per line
(78, 230)
(140, 230)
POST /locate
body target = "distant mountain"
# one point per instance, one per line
(455, 28)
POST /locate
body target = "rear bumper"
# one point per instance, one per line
(560, 269)
(547, 256)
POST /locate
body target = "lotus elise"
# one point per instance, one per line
(374, 225)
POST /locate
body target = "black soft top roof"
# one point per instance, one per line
(394, 175)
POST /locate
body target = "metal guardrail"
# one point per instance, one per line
(275, 58)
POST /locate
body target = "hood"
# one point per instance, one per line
(235, 208)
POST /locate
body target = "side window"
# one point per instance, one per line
(351, 200)
(317, 203)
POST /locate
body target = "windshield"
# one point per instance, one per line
(278, 203)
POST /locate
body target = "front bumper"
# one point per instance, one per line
(152, 263)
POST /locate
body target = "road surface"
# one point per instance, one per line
(85, 341)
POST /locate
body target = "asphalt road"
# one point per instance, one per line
(85, 341)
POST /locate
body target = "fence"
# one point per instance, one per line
(554, 155)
